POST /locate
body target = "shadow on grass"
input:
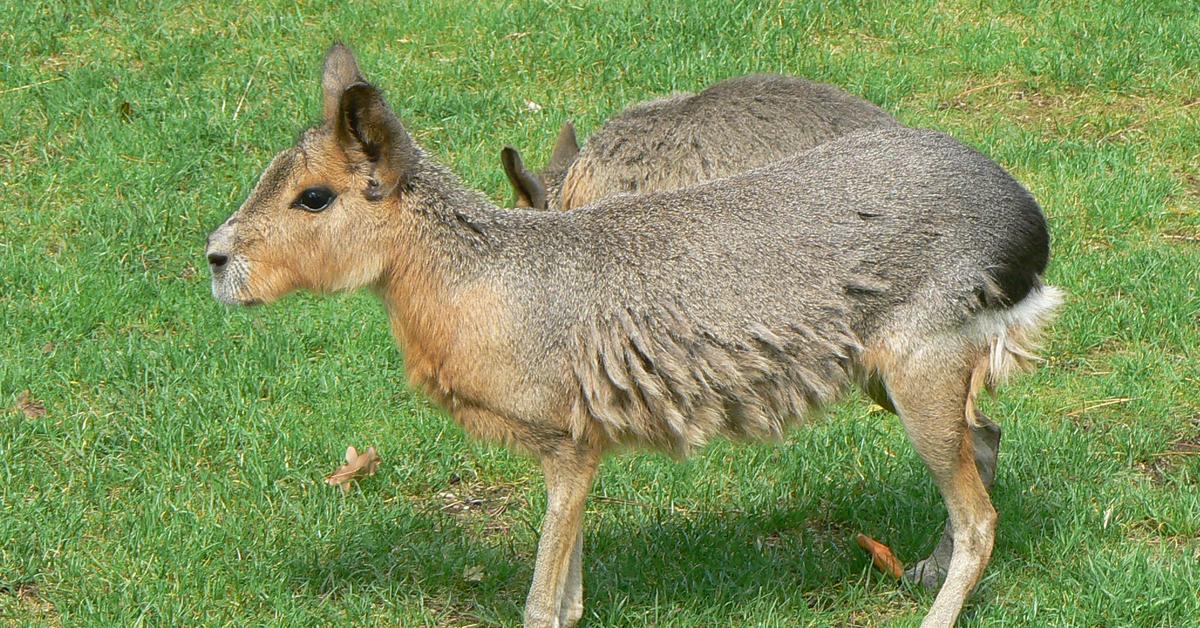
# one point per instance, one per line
(796, 556)
(799, 560)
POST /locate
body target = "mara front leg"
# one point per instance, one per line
(556, 595)
(572, 600)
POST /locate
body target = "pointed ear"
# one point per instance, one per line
(565, 148)
(369, 133)
(340, 71)
(527, 188)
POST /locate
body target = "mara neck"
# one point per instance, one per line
(445, 243)
(444, 226)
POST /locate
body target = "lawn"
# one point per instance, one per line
(162, 455)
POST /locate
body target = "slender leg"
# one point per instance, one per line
(985, 439)
(931, 396)
(569, 473)
(572, 601)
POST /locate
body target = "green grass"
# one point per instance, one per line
(176, 474)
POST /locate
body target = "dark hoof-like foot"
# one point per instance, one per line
(929, 573)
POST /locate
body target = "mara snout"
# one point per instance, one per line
(229, 272)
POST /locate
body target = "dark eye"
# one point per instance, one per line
(314, 199)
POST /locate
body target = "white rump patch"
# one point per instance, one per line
(1012, 334)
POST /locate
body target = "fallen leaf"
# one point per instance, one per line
(881, 556)
(356, 465)
(30, 407)
(473, 573)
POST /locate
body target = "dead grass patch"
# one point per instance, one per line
(451, 614)
(1154, 533)
(1163, 465)
(27, 598)
(1095, 116)
(476, 504)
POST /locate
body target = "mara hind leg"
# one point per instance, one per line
(929, 388)
(985, 442)
(930, 572)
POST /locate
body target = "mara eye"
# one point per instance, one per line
(314, 199)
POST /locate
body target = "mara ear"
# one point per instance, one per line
(369, 133)
(565, 148)
(339, 72)
(527, 188)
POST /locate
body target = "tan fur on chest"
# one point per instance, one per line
(454, 352)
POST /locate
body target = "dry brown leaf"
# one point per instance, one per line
(881, 556)
(30, 407)
(357, 465)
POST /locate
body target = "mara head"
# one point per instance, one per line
(318, 217)
(541, 190)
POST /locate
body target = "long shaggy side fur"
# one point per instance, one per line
(662, 380)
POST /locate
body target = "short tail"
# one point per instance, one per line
(1011, 336)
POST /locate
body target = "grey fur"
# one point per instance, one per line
(732, 126)
(751, 298)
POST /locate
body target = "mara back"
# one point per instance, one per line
(733, 306)
(733, 126)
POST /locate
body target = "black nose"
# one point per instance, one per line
(217, 261)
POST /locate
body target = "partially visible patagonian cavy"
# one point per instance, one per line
(733, 126)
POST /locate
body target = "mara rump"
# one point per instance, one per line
(684, 139)
(900, 261)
